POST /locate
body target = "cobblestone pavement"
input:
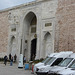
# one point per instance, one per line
(13, 70)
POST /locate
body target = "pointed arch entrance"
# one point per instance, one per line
(29, 36)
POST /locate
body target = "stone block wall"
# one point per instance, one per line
(65, 28)
(4, 29)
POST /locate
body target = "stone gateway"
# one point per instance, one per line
(38, 28)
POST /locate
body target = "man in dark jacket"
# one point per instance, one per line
(9, 56)
(5, 59)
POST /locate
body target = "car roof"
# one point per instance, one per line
(52, 54)
(62, 54)
(72, 55)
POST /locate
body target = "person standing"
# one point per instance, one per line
(24, 60)
(11, 62)
(15, 58)
(10, 57)
(5, 59)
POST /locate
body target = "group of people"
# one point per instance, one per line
(10, 59)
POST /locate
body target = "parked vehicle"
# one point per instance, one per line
(43, 70)
(61, 66)
(67, 71)
(44, 61)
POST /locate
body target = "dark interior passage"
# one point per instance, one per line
(33, 49)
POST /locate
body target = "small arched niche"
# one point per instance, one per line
(13, 50)
(47, 44)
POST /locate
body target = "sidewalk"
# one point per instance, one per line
(13, 70)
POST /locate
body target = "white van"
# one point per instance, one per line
(54, 61)
(43, 62)
(67, 71)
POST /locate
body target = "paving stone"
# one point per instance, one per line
(13, 70)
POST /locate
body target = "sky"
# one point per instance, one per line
(10, 3)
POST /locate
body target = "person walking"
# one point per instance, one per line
(5, 59)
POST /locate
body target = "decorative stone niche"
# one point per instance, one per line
(13, 27)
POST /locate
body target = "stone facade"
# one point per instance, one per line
(39, 15)
(65, 29)
(4, 31)
(49, 24)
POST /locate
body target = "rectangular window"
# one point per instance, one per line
(14, 29)
(48, 24)
(33, 29)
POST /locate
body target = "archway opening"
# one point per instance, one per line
(30, 27)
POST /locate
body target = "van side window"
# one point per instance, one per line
(57, 61)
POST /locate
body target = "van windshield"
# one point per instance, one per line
(50, 61)
(65, 62)
(72, 65)
(46, 60)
